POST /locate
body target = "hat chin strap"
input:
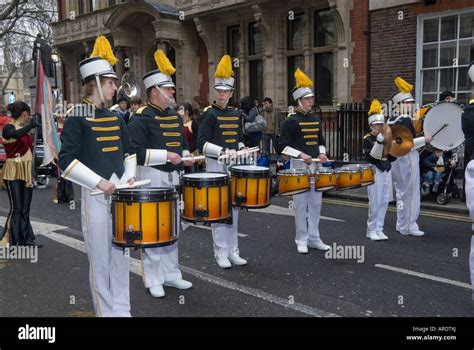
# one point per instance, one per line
(170, 101)
(99, 88)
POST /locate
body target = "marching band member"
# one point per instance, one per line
(468, 129)
(158, 137)
(379, 191)
(220, 131)
(16, 174)
(406, 169)
(96, 153)
(302, 137)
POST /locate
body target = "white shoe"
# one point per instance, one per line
(382, 236)
(237, 260)
(417, 233)
(372, 235)
(319, 245)
(179, 284)
(302, 249)
(157, 291)
(223, 263)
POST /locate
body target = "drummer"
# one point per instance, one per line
(468, 129)
(406, 169)
(220, 132)
(379, 191)
(160, 142)
(94, 145)
(302, 139)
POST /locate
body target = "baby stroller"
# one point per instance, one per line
(446, 187)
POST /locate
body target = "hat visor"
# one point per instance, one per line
(222, 87)
(377, 122)
(167, 85)
(410, 99)
(109, 75)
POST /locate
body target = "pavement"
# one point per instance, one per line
(403, 277)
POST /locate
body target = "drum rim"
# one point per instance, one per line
(262, 168)
(322, 170)
(293, 172)
(256, 174)
(346, 170)
(144, 245)
(147, 194)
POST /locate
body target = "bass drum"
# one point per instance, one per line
(443, 122)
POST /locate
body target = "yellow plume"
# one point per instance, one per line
(163, 63)
(302, 79)
(224, 68)
(375, 107)
(402, 85)
(103, 50)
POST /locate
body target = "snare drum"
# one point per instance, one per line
(250, 186)
(145, 218)
(368, 174)
(293, 181)
(206, 197)
(349, 177)
(325, 179)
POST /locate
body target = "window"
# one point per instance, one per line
(233, 37)
(446, 45)
(293, 63)
(324, 29)
(80, 8)
(323, 80)
(92, 5)
(295, 33)
(256, 79)
(255, 39)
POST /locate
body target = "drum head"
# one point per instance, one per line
(250, 171)
(205, 179)
(149, 194)
(450, 136)
(293, 172)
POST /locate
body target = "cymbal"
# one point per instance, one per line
(387, 139)
(402, 141)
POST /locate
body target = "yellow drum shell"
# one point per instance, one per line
(250, 186)
(205, 199)
(324, 181)
(348, 179)
(368, 175)
(293, 181)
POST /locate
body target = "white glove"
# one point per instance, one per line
(380, 138)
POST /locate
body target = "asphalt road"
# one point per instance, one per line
(404, 276)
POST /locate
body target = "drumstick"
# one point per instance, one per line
(184, 159)
(122, 186)
(437, 132)
(239, 153)
(315, 160)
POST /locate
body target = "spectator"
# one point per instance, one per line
(121, 108)
(446, 96)
(135, 104)
(436, 166)
(272, 117)
(185, 110)
(253, 125)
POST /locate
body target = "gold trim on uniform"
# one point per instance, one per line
(308, 123)
(311, 143)
(230, 140)
(310, 130)
(171, 117)
(173, 134)
(110, 128)
(70, 169)
(108, 138)
(310, 136)
(229, 133)
(228, 118)
(102, 120)
(110, 149)
(229, 126)
(173, 144)
(169, 126)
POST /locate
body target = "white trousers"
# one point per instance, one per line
(159, 264)
(469, 176)
(225, 240)
(406, 179)
(307, 209)
(109, 265)
(379, 196)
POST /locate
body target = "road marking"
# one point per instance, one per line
(424, 275)
(276, 209)
(423, 212)
(135, 267)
